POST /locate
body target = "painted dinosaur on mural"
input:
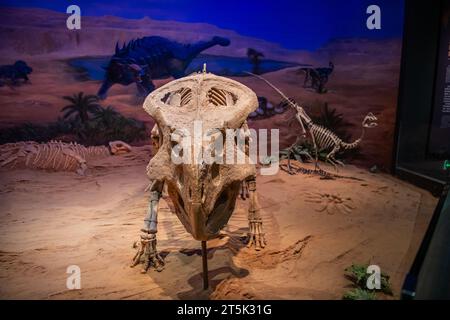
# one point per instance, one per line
(142, 60)
(17, 71)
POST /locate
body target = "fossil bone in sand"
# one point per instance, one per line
(56, 155)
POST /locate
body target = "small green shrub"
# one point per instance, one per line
(97, 127)
(359, 294)
(269, 160)
(303, 152)
(357, 274)
(33, 132)
(109, 125)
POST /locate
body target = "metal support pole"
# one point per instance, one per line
(205, 265)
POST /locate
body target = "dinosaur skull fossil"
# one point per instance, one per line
(370, 121)
(119, 147)
(203, 194)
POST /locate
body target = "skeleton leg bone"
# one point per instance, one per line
(290, 150)
(244, 190)
(330, 158)
(289, 160)
(146, 246)
(316, 153)
(338, 161)
(255, 235)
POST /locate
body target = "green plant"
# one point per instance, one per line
(359, 294)
(268, 160)
(302, 152)
(26, 132)
(81, 106)
(106, 125)
(330, 118)
(107, 116)
(358, 275)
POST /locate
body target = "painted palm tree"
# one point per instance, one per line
(107, 116)
(81, 106)
(255, 59)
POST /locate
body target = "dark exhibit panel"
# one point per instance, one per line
(423, 122)
(439, 139)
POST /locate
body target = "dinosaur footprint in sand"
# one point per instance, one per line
(331, 203)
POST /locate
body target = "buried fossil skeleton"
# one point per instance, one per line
(204, 195)
(56, 155)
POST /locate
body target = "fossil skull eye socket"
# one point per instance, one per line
(177, 149)
(220, 97)
(177, 144)
(178, 98)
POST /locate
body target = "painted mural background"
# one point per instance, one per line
(287, 37)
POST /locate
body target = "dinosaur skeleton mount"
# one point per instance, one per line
(204, 195)
(322, 138)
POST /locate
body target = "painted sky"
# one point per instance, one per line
(295, 24)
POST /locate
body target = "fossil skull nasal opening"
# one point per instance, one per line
(194, 178)
(198, 168)
(187, 149)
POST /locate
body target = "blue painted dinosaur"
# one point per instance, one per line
(14, 72)
(149, 58)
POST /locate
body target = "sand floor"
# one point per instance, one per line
(50, 220)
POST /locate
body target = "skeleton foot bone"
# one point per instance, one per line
(146, 248)
(255, 236)
(147, 254)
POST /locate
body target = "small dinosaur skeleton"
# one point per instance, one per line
(325, 175)
(322, 138)
(56, 155)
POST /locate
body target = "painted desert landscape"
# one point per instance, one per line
(50, 220)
